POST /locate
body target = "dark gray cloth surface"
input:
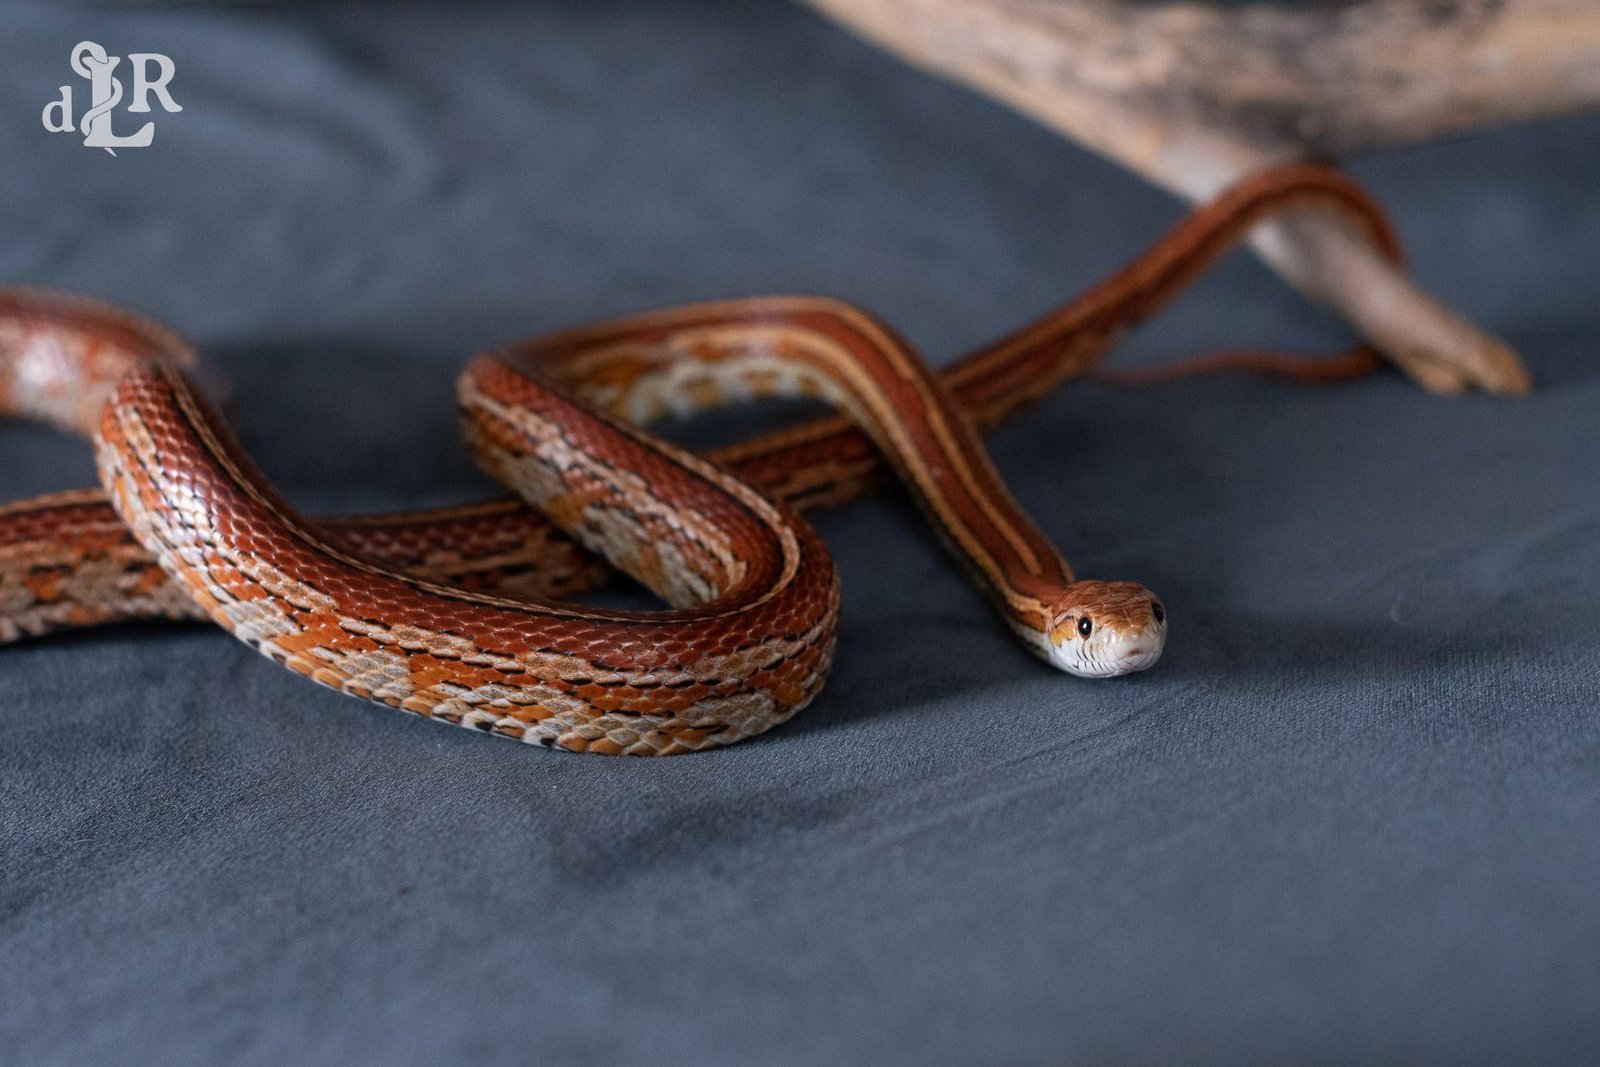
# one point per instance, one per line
(1350, 817)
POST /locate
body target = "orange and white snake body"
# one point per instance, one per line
(458, 614)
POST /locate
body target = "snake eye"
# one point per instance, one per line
(1085, 627)
(1158, 611)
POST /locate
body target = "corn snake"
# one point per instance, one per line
(407, 609)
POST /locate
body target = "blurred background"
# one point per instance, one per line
(1350, 816)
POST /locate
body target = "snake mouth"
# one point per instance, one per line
(1130, 662)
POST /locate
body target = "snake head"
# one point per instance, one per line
(1103, 629)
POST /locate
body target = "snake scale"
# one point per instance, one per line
(463, 614)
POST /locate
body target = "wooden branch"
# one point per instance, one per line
(1195, 97)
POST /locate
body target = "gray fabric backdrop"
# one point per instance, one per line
(1352, 815)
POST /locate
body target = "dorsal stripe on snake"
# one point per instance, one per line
(976, 512)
